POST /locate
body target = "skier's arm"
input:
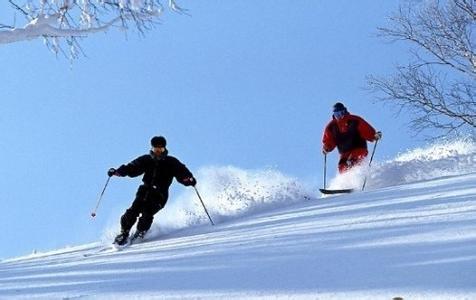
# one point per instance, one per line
(328, 141)
(366, 130)
(134, 168)
(183, 174)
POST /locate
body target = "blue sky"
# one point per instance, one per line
(243, 83)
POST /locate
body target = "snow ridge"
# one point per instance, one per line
(442, 159)
(436, 160)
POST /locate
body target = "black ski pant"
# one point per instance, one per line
(147, 203)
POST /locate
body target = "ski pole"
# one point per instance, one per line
(203, 204)
(325, 169)
(93, 214)
(371, 158)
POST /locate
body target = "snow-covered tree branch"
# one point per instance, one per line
(61, 23)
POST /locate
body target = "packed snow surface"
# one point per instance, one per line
(410, 234)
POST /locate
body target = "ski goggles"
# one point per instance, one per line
(339, 114)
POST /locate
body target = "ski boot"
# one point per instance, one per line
(122, 238)
(137, 236)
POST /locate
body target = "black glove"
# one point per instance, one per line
(111, 172)
(189, 181)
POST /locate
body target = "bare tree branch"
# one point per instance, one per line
(437, 89)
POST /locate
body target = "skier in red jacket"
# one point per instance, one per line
(349, 133)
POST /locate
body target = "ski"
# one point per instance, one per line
(341, 191)
(120, 247)
(114, 247)
(107, 249)
(102, 250)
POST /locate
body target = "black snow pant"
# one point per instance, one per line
(147, 203)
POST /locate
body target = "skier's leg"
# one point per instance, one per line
(154, 202)
(342, 165)
(356, 157)
(129, 218)
(151, 207)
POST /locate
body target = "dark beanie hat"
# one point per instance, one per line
(158, 141)
(338, 107)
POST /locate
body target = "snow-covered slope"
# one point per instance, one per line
(412, 237)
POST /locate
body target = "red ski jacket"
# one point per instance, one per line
(348, 133)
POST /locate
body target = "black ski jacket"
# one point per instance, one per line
(158, 171)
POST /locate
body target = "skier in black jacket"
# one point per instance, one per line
(159, 169)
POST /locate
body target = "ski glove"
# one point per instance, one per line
(378, 135)
(112, 172)
(189, 181)
(324, 151)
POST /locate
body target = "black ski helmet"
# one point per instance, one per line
(339, 107)
(158, 141)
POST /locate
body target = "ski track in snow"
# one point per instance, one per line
(414, 238)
